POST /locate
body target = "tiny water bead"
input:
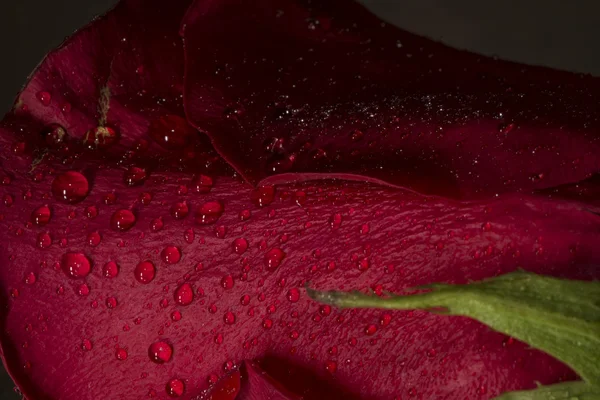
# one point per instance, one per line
(176, 316)
(335, 221)
(44, 97)
(30, 278)
(171, 255)
(122, 220)
(175, 388)
(209, 212)
(41, 215)
(184, 294)
(145, 272)
(110, 269)
(86, 345)
(70, 187)
(91, 212)
(76, 265)
(135, 176)
(83, 290)
(160, 352)
(227, 282)
(273, 258)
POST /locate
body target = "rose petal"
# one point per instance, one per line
(299, 86)
(162, 281)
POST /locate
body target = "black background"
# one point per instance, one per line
(554, 33)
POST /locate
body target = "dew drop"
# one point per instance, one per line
(44, 97)
(83, 290)
(227, 282)
(122, 220)
(157, 224)
(110, 269)
(135, 176)
(171, 255)
(229, 318)
(209, 213)
(202, 184)
(370, 330)
(94, 239)
(76, 265)
(331, 367)
(175, 388)
(184, 294)
(263, 196)
(44, 240)
(180, 210)
(70, 187)
(30, 278)
(91, 212)
(111, 302)
(293, 295)
(86, 345)
(188, 236)
(145, 272)
(176, 316)
(273, 258)
(160, 352)
(335, 221)
(145, 198)
(121, 354)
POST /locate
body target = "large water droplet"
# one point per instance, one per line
(160, 352)
(209, 213)
(273, 258)
(171, 132)
(122, 220)
(76, 265)
(144, 272)
(171, 255)
(184, 294)
(70, 187)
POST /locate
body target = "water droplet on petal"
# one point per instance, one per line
(70, 187)
(293, 295)
(184, 294)
(145, 272)
(229, 318)
(44, 97)
(176, 316)
(209, 213)
(94, 239)
(157, 224)
(111, 302)
(122, 220)
(30, 278)
(160, 352)
(227, 282)
(180, 210)
(202, 184)
(110, 269)
(335, 221)
(86, 345)
(263, 196)
(240, 245)
(76, 265)
(273, 258)
(171, 255)
(44, 240)
(175, 388)
(91, 212)
(135, 176)
(121, 354)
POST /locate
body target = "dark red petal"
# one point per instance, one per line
(259, 386)
(300, 86)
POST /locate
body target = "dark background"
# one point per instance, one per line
(554, 33)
